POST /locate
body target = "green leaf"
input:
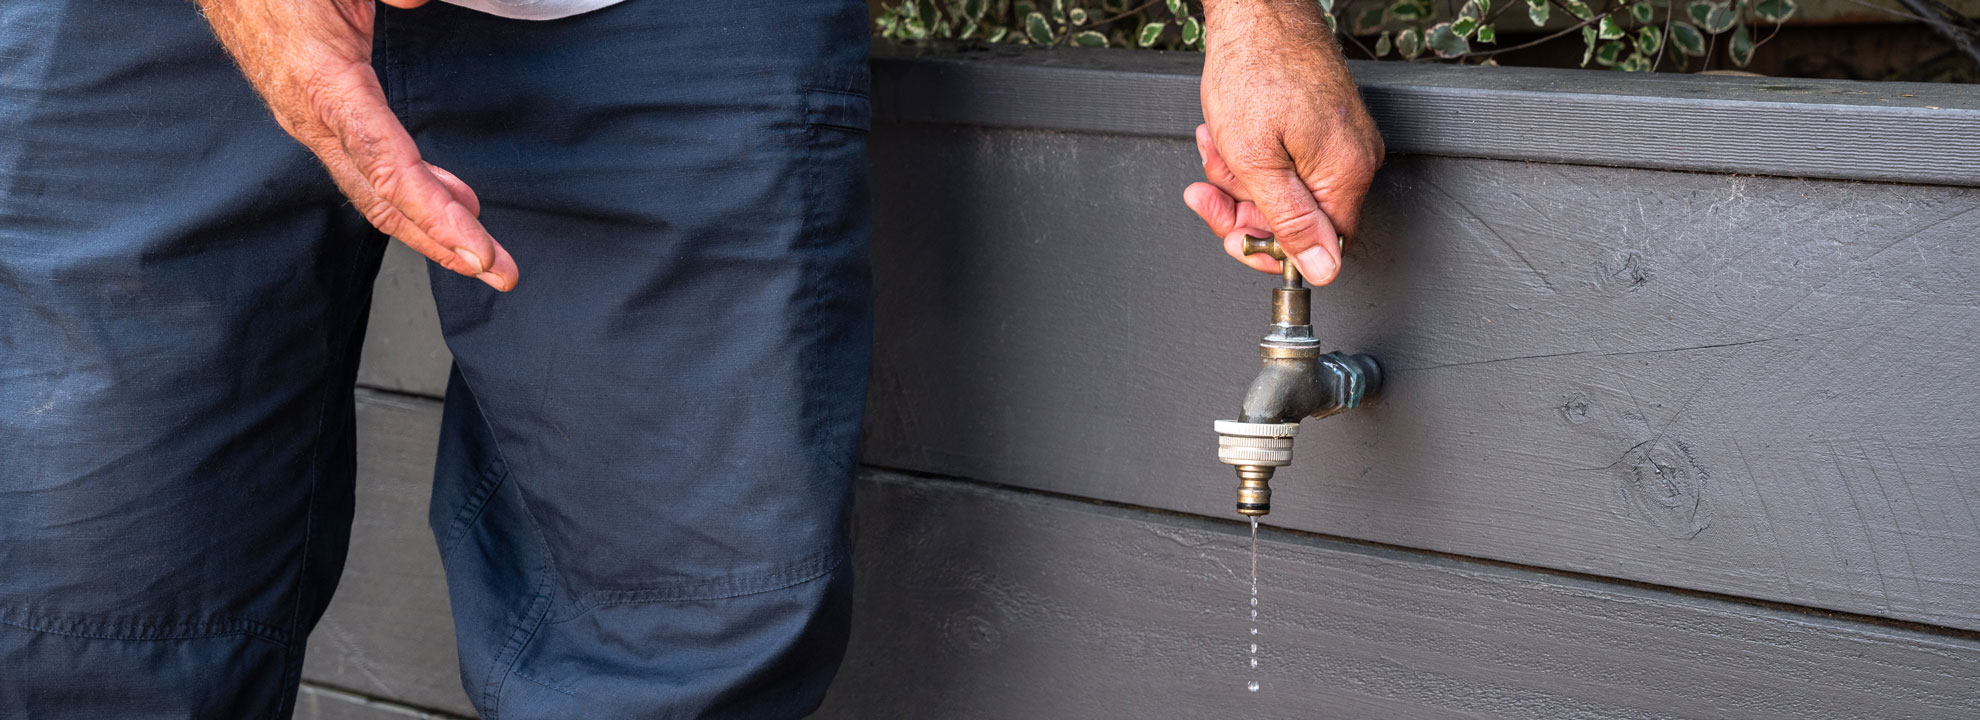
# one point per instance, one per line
(1382, 45)
(1059, 11)
(928, 12)
(1077, 16)
(1329, 19)
(1488, 34)
(1649, 39)
(1037, 30)
(1192, 32)
(1446, 41)
(1470, 11)
(1177, 9)
(1642, 12)
(1741, 49)
(1410, 43)
(910, 10)
(1610, 29)
(1326, 6)
(1536, 11)
(1775, 10)
(974, 9)
(1636, 62)
(1406, 10)
(1089, 39)
(1587, 38)
(1370, 19)
(1484, 6)
(1714, 17)
(1113, 7)
(1687, 39)
(1608, 52)
(997, 33)
(1578, 9)
(968, 31)
(1150, 33)
(1464, 27)
(942, 29)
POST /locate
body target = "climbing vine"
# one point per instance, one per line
(1631, 35)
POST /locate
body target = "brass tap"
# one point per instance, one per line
(1296, 382)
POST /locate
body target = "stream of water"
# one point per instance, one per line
(1253, 685)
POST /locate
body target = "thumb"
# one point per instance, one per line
(1302, 229)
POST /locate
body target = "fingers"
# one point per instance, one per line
(1294, 215)
(405, 197)
(1231, 220)
(1215, 169)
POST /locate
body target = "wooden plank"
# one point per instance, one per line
(977, 602)
(1896, 132)
(1752, 386)
(389, 633)
(315, 702)
(403, 351)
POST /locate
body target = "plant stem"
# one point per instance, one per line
(1525, 45)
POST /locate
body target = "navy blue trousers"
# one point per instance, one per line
(644, 484)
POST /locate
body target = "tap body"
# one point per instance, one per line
(1296, 381)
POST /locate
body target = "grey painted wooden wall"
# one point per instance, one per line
(1658, 442)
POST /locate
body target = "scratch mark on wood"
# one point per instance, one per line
(1494, 232)
(1766, 515)
(1863, 523)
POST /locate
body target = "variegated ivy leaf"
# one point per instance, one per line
(1488, 34)
(1410, 43)
(1329, 19)
(1077, 16)
(1089, 39)
(996, 33)
(968, 31)
(1326, 6)
(1587, 38)
(1406, 10)
(1687, 39)
(1150, 33)
(1484, 6)
(1636, 62)
(1464, 27)
(1177, 9)
(928, 12)
(1059, 11)
(1470, 10)
(1371, 18)
(1446, 41)
(1609, 53)
(1382, 45)
(1774, 10)
(1649, 39)
(974, 9)
(1642, 12)
(1536, 11)
(1578, 9)
(1192, 32)
(1037, 30)
(1610, 29)
(942, 29)
(1713, 17)
(1741, 49)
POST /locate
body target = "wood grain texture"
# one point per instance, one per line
(981, 603)
(1896, 132)
(1753, 386)
(389, 632)
(403, 351)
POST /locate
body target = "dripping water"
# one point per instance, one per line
(1253, 685)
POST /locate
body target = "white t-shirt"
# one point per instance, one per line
(534, 9)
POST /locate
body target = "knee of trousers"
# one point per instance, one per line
(767, 648)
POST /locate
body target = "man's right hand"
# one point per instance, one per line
(311, 61)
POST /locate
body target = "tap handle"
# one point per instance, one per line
(1264, 246)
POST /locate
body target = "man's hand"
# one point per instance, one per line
(1287, 147)
(311, 60)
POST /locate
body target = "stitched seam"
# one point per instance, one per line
(146, 631)
(791, 577)
(492, 475)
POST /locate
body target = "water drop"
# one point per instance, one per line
(1254, 648)
(1253, 686)
(1254, 614)
(1254, 662)
(1254, 631)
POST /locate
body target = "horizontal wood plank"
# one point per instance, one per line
(1752, 386)
(985, 603)
(1896, 132)
(316, 702)
(389, 632)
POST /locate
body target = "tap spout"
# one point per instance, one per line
(1296, 381)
